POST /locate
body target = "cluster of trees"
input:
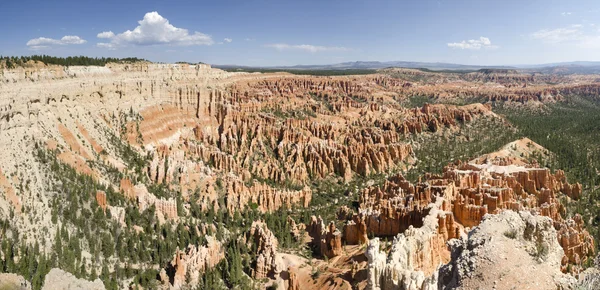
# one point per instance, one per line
(470, 141)
(16, 61)
(299, 113)
(277, 222)
(83, 225)
(32, 264)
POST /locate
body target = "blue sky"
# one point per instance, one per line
(306, 32)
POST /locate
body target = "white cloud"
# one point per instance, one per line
(228, 40)
(249, 39)
(566, 13)
(106, 34)
(574, 35)
(474, 44)
(154, 30)
(44, 42)
(72, 39)
(109, 46)
(558, 35)
(306, 47)
(41, 41)
(38, 47)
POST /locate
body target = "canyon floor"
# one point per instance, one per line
(177, 176)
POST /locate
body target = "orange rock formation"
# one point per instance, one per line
(266, 245)
(327, 241)
(466, 192)
(101, 199)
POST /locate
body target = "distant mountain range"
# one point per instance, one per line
(565, 67)
(373, 65)
(563, 64)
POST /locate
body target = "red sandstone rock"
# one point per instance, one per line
(326, 241)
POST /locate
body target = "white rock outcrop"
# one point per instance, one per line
(13, 282)
(58, 279)
(506, 249)
(413, 260)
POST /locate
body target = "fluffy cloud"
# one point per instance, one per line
(154, 30)
(72, 39)
(305, 47)
(44, 42)
(474, 44)
(106, 34)
(228, 40)
(566, 13)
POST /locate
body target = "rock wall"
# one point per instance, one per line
(467, 193)
(253, 139)
(260, 140)
(192, 262)
(326, 241)
(81, 112)
(294, 282)
(265, 242)
(414, 258)
(498, 253)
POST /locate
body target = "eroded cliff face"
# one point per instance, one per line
(414, 258)
(326, 240)
(191, 263)
(268, 138)
(183, 139)
(484, 257)
(468, 192)
(425, 216)
(75, 111)
(267, 263)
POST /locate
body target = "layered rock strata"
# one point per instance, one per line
(468, 192)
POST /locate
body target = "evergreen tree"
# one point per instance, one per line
(82, 268)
